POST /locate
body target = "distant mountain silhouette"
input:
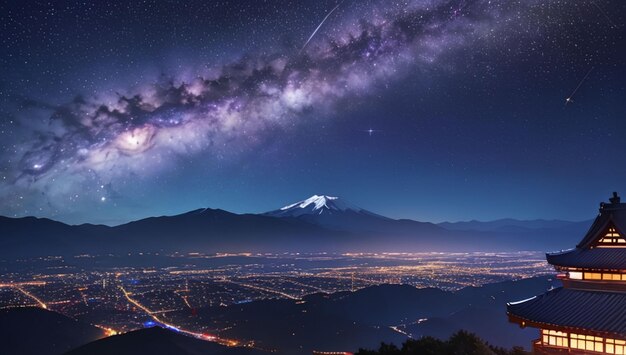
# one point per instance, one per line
(157, 341)
(515, 224)
(219, 230)
(37, 331)
(320, 223)
(345, 321)
(408, 235)
(200, 230)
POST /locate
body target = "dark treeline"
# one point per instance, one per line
(461, 343)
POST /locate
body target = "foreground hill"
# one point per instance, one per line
(157, 341)
(37, 331)
(345, 321)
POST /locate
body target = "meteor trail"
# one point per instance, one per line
(571, 96)
(319, 26)
(613, 25)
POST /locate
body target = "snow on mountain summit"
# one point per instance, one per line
(334, 213)
(317, 205)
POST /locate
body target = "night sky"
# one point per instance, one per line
(430, 109)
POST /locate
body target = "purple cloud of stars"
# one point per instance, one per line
(96, 139)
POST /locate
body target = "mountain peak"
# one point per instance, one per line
(319, 203)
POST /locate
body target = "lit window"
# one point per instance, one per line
(607, 276)
(555, 338)
(587, 342)
(593, 276)
(615, 346)
(603, 276)
(575, 275)
(612, 237)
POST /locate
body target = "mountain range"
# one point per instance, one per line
(318, 224)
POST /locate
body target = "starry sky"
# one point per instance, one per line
(426, 109)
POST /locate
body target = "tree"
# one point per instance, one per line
(460, 343)
(465, 343)
(425, 346)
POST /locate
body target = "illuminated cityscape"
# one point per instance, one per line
(124, 298)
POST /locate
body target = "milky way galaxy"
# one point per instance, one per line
(97, 145)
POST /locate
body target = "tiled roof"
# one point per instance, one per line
(586, 255)
(610, 214)
(597, 258)
(602, 312)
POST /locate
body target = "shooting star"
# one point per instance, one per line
(613, 25)
(319, 26)
(569, 99)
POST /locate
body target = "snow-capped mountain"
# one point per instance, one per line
(319, 205)
(334, 213)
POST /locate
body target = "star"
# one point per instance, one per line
(371, 131)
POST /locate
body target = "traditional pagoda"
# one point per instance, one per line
(588, 314)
